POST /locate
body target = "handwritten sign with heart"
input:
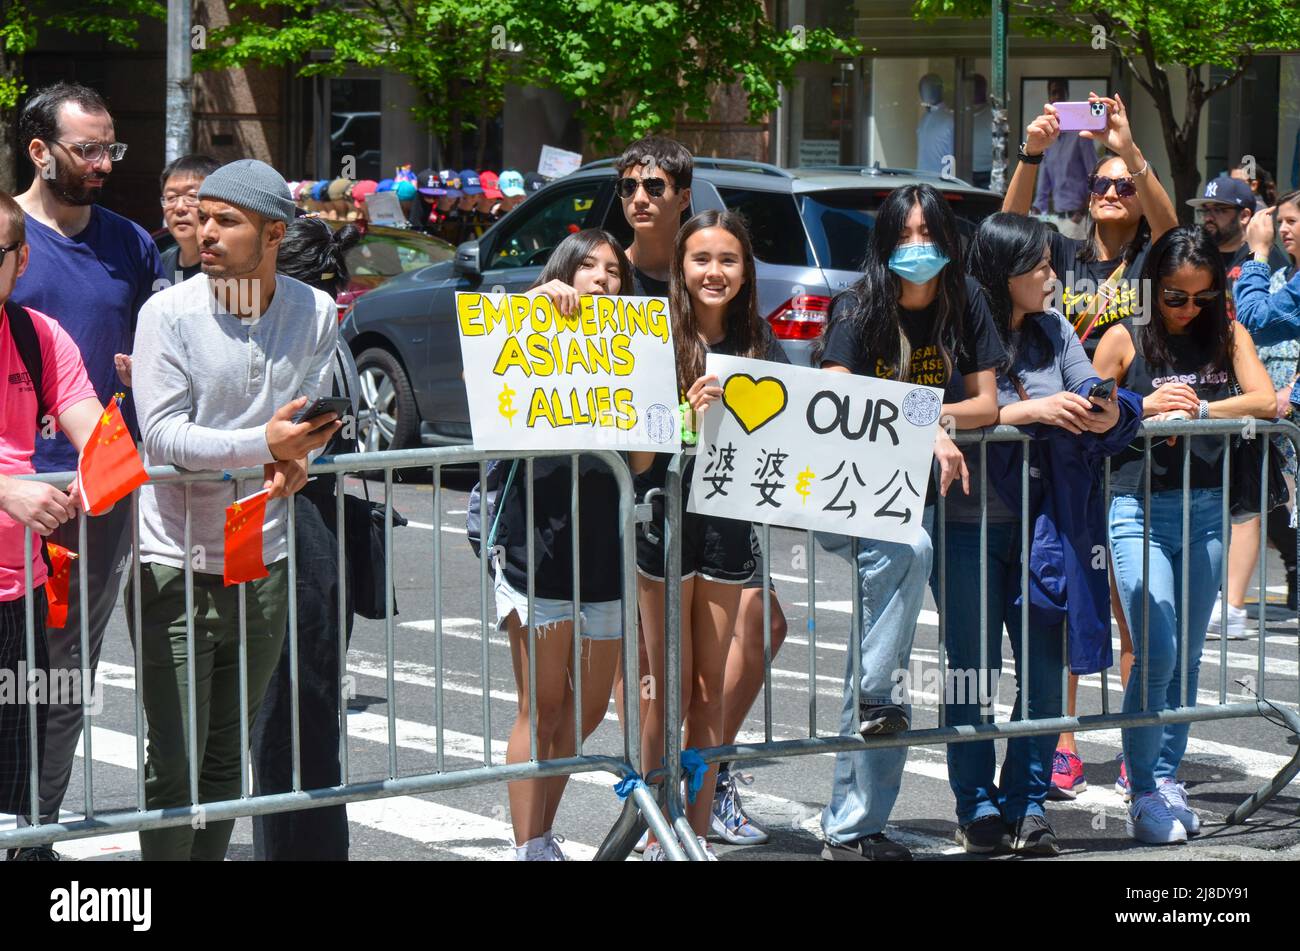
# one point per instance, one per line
(812, 449)
(754, 403)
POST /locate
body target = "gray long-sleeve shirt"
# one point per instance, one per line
(206, 383)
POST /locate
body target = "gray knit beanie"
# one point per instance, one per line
(253, 185)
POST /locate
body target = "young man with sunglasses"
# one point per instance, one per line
(91, 270)
(654, 185)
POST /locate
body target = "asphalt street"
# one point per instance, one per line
(1226, 760)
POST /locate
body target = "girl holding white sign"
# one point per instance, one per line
(589, 262)
(914, 316)
(714, 308)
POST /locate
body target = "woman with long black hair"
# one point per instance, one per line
(916, 317)
(1184, 362)
(1040, 386)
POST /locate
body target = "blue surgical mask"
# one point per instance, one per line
(916, 263)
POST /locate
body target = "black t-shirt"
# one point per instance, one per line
(599, 557)
(973, 344)
(1080, 281)
(643, 285)
(1189, 366)
(171, 265)
(1232, 262)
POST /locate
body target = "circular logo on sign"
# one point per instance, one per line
(659, 422)
(921, 406)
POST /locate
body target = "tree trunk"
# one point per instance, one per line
(455, 134)
(9, 149)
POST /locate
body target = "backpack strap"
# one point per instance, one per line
(23, 330)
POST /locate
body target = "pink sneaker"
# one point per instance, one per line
(1067, 776)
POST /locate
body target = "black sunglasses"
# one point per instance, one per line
(1176, 298)
(1100, 184)
(654, 187)
(3, 251)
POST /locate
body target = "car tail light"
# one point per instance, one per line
(346, 299)
(800, 318)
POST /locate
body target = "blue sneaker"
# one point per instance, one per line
(1150, 820)
(1175, 796)
(729, 822)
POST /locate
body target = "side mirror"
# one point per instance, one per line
(467, 259)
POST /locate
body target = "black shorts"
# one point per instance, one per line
(716, 549)
(756, 582)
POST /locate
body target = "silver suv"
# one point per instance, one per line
(809, 228)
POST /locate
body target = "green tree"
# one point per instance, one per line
(452, 51)
(632, 67)
(636, 66)
(1155, 38)
(20, 24)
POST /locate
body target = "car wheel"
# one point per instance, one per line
(387, 417)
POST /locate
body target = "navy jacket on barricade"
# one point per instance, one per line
(1066, 506)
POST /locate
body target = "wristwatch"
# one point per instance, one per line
(1027, 158)
(1205, 410)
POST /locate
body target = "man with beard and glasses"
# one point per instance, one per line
(1226, 207)
(222, 365)
(91, 270)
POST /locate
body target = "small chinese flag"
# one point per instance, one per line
(109, 467)
(56, 588)
(244, 519)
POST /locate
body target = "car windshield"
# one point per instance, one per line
(385, 255)
(839, 222)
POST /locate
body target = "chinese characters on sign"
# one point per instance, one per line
(805, 448)
(601, 378)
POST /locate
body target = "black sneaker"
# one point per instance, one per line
(1035, 837)
(35, 853)
(872, 848)
(889, 718)
(984, 836)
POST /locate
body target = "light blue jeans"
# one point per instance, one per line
(1154, 752)
(892, 580)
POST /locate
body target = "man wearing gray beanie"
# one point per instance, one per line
(222, 364)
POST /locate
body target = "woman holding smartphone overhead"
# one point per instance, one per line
(1099, 283)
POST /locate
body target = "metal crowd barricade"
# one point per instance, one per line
(433, 461)
(623, 836)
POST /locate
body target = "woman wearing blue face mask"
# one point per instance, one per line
(914, 316)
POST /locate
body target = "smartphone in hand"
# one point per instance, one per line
(1080, 116)
(340, 406)
(1103, 390)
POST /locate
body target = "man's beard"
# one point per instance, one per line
(71, 190)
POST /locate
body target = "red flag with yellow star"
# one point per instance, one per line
(56, 587)
(244, 519)
(109, 468)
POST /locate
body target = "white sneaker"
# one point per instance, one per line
(1149, 820)
(709, 854)
(534, 850)
(1175, 796)
(553, 846)
(641, 843)
(1236, 623)
(654, 853)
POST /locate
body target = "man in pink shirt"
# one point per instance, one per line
(66, 402)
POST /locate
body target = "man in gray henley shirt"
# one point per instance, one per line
(222, 363)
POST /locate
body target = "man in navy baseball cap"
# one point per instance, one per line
(1226, 206)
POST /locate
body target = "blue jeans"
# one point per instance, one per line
(1154, 752)
(892, 586)
(1027, 768)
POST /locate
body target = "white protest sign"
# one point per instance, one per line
(556, 163)
(604, 377)
(383, 208)
(813, 449)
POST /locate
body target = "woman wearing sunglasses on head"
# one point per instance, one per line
(1128, 209)
(1184, 362)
